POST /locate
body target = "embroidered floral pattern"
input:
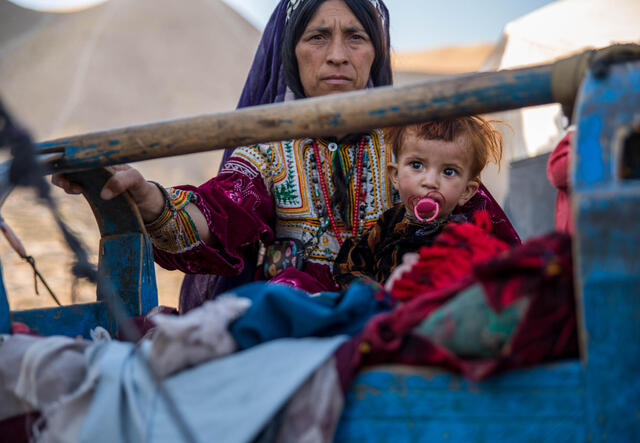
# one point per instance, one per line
(174, 231)
(288, 175)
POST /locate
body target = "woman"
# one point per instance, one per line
(300, 197)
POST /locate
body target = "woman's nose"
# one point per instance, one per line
(337, 53)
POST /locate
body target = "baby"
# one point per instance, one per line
(437, 169)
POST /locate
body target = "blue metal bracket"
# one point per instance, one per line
(607, 241)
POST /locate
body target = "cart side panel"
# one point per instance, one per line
(607, 250)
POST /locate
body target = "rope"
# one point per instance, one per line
(17, 246)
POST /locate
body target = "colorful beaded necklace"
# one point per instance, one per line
(325, 193)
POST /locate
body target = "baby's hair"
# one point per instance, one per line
(483, 139)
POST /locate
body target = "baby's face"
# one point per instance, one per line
(436, 169)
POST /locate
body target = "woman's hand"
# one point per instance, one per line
(61, 181)
(147, 196)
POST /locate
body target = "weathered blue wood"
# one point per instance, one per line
(463, 430)
(5, 313)
(72, 321)
(116, 216)
(607, 210)
(605, 111)
(412, 404)
(148, 287)
(126, 255)
(125, 261)
(355, 111)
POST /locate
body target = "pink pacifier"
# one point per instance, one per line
(426, 206)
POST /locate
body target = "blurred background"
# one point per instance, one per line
(74, 66)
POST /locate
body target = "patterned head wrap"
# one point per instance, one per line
(293, 4)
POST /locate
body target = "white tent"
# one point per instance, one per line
(123, 63)
(551, 32)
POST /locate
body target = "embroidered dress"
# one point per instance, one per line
(271, 191)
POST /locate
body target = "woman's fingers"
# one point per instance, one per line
(63, 182)
(146, 195)
(124, 178)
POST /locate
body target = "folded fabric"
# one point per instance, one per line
(312, 413)
(467, 326)
(229, 399)
(37, 371)
(200, 335)
(279, 311)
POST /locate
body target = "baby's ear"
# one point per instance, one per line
(392, 172)
(469, 191)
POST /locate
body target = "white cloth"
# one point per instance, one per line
(229, 399)
(200, 335)
(36, 372)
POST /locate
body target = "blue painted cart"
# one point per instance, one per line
(125, 255)
(596, 398)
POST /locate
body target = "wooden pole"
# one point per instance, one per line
(477, 93)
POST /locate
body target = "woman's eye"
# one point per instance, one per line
(415, 165)
(449, 172)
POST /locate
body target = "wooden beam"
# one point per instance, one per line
(476, 93)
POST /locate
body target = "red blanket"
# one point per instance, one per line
(540, 270)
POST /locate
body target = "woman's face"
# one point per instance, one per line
(335, 53)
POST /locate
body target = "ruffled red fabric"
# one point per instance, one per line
(540, 269)
(450, 258)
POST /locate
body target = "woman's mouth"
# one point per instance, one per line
(337, 79)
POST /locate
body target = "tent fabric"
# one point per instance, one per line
(554, 31)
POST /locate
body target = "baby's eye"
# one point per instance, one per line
(449, 172)
(415, 164)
